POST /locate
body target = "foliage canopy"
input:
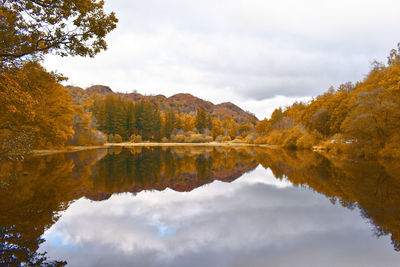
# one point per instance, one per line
(31, 28)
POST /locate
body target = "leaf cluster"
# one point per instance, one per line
(31, 28)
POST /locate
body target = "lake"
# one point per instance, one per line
(199, 206)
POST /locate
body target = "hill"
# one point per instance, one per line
(183, 103)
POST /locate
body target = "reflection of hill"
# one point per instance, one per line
(34, 192)
(157, 169)
(372, 186)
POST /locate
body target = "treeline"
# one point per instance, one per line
(124, 120)
(362, 118)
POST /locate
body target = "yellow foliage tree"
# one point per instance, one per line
(35, 106)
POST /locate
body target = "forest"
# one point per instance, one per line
(38, 112)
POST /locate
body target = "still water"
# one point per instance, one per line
(199, 206)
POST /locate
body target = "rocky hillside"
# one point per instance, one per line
(184, 103)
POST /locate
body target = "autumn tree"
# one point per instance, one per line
(217, 129)
(170, 122)
(263, 126)
(148, 120)
(394, 56)
(280, 119)
(16, 116)
(32, 28)
(36, 109)
(157, 124)
(115, 115)
(375, 109)
(230, 126)
(189, 122)
(341, 109)
(375, 116)
(318, 121)
(84, 125)
(245, 128)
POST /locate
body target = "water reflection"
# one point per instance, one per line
(373, 186)
(256, 220)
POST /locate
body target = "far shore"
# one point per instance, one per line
(41, 152)
(225, 144)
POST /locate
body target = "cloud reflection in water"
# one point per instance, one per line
(256, 220)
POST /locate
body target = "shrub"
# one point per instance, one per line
(392, 148)
(179, 138)
(136, 138)
(226, 138)
(261, 140)
(292, 135)
(309, 140)
(250, 138)
(89, 137)
(100, 137)
(208, 139)
(306, 141)
(189, 133)
(275, 138)
(177, 131)
(117, 138)
(350, 149)
(317, 135)
(238, 140)
(164, 140)
(110, 138)
(195, 138)
(219, 138)
(14, 145)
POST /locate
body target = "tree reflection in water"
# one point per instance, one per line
(34, 193)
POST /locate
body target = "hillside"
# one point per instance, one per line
(183, 103)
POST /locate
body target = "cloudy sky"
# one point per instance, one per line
(257, 54)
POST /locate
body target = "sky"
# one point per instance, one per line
(257, 54)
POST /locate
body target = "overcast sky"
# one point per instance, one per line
(257, 54)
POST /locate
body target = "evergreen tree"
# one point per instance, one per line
(201, 120)
(170, 122)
